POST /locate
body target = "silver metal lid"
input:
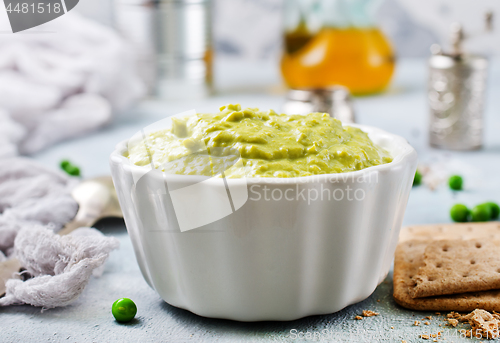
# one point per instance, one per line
(458, 36)
(335, 101)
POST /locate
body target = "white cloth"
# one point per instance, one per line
(62, 83)
(53, 86)
(34, 203)
(61, 266)
(32, 194)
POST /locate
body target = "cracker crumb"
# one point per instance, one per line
(427, 323)
(416, 323)
(429, 317)
(358, 317)
(438, 313)
(378, 300)
(454, 315)
(424, 336)
(434, 335)
(453, 322)
(368, 313)
(403, 341)
(392, 327)
(484, 323)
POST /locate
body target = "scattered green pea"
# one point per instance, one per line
(417, 180)
(70, 168)
(65, 164)
(459, 213)
(494, 208)
(124, 310)
(481, 213)
(456, 182)
(73, 170)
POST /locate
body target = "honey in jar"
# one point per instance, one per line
(357, 57)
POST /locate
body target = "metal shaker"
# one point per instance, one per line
(183, 41)
(456, 95)
(456, 92)
(335, 101)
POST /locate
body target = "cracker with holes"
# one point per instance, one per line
(456, 266)
(420, 252)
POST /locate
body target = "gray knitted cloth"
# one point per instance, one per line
(35, 202)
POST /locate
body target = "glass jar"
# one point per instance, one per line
(335, 42)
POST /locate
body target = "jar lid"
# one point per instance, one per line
(315, 94)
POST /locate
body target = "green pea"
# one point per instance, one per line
(124, 310)
(459, 213)
(73, 170)
(481, 213)
(456, 182)
(64, 164)
(417, 180)
(70, 168)
(494, 208)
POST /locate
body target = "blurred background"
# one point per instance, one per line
(426, 70)
(251, 31)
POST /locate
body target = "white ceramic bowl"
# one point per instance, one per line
(271, 258)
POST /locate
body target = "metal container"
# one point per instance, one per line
(183, 48)
(457, 85)
(457, 88)
(335, 101)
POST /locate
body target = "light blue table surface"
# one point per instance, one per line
(402, 110)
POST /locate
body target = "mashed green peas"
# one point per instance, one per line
(270, 145)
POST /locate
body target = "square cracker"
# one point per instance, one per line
(458, 266)
(462, 231)
(410, 257)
